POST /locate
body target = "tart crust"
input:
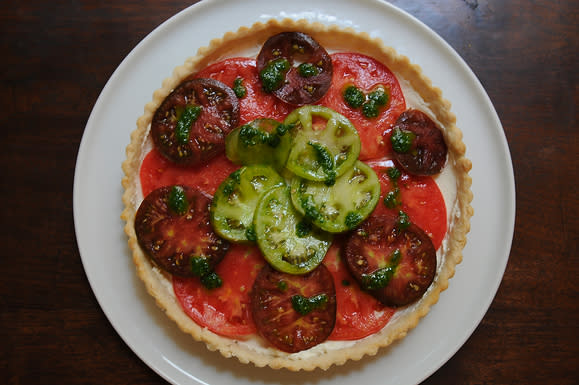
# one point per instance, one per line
(329, 353)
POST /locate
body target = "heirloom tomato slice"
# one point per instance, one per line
(225, 310)
(294, 312)
(191, 124)
(395, 263)
(173, 228)
(234, 202)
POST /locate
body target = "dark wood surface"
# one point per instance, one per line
(58, 55)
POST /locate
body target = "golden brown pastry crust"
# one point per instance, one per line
(329, 353)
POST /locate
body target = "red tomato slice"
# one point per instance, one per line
(156, 171)
(366, 74)
(257, 103)
(421, 200)
(358, 313)
(225, 310)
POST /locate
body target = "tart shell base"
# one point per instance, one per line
(329, 353)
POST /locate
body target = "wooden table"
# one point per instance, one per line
(56, 58)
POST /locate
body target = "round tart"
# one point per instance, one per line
(401, 231)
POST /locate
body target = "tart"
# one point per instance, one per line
(391, 254)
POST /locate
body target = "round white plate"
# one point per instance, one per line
(97, 197)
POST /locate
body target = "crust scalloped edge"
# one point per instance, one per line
(158, 284)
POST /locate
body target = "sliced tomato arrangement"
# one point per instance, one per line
(282, 277)
(367, 74)
(225, 310)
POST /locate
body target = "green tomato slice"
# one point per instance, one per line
(288, 243)
(342, 206)
(234, 202)
(258, 142)
(321, 153)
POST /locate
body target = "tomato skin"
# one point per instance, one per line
(296, 89)
(407, 254)
(277, 319)
(365, 73)
(277, 219)
(156, 171)
(226, 310)
(193, 138)
(421, 200)
(358, 314)
(256, 103)
(427, 153)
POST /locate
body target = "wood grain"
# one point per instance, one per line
(57, 57)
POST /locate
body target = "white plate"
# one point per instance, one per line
(97, 197)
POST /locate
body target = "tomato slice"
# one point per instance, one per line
(395, 263)
(288, 242)
(261, 141)
(418, 143)
(296, 84)
(173, 227)
(341, 206)
(358, 314)
(234, 203)
(420, 197)
(156, 171)
(294, 312)
(190, 125)
(256, 103)
(325, 144)
(225, 310)
(366, 74)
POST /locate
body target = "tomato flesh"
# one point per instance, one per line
(342, 206)
(294, 86)
(233, 205)
(287, 243)
(421, 199)
(256, 103)
(358, 313)
(173, 236)
(276, 318)
(225, 310)
(190, 125)
(366, 74)
(394, 263)
(156, 171)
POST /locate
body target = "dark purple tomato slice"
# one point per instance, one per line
(173, 227)
(294, 312)
(394, 263)
(191, 124)
(295, 68)
(418, 143)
